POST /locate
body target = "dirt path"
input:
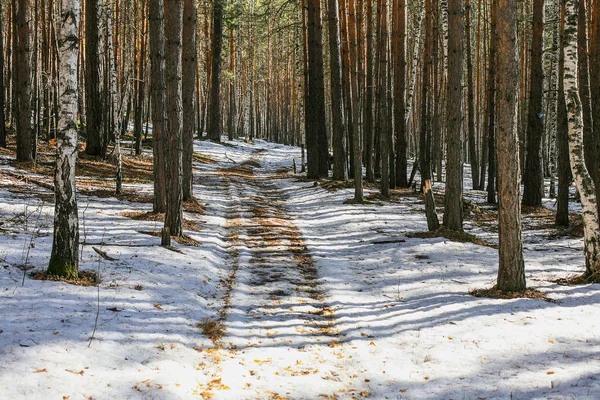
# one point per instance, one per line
(275, 313)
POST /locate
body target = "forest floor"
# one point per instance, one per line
(282, 290)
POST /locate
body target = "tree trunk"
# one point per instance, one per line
(416, 59)
(316, 128)
(141, 86)
(511, 267)
(562, 135)
(188, 94)
(64, 259)
(340, 171)
(215, 128)
(589, 147)
(382, 99)
(233, 86)
(114, 102)
(425, 137)
(552, 98)
(583, 180)
(453, 210)
(94, 128)
(595, 88)
(491, 108)
(22, 80)
(368, 108)
(399, 59)
(173, 50)
(2, 113)
(533, 177)
(473, 155)
(158, 90)
(350, 80)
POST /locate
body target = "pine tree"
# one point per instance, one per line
(533, 178)
(174, 121)
(2, 102)
(316, 130)
(93, 101)
(159, 93)
(453, 211)
(22, 80)
(188, 94)
(215, 127)
(511, 267)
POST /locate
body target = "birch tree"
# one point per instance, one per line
(583, 179)
(473, 156)
(339, 127)
(64, 260)
(562, 132)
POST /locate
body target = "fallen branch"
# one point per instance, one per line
(103, 254)
(389, 241)
(116, 244)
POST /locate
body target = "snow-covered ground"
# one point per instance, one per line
(318, 299)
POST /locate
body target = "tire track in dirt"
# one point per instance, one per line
(286, 299)
(280, 334)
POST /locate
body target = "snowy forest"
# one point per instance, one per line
(299, 199)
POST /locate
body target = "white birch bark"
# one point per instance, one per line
(116, 101)
(583, 180)
(415, 64)
(552, 98)
(64, 260)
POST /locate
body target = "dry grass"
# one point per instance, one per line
(494, 293)
(333, 186)
(582, 279)
(204, 159)
(143, 216)
(158, 217)
(472, 211)
(194, 206)
(183, 240)
(575, 228)
(131, 196)
(85, 278)
(136, 169)
(212, 329)
(455, 236)
(238, 171)
(251, 163)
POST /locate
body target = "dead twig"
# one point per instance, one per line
(103, 254)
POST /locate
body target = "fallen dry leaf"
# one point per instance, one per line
(76, 373)
(37, 371)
